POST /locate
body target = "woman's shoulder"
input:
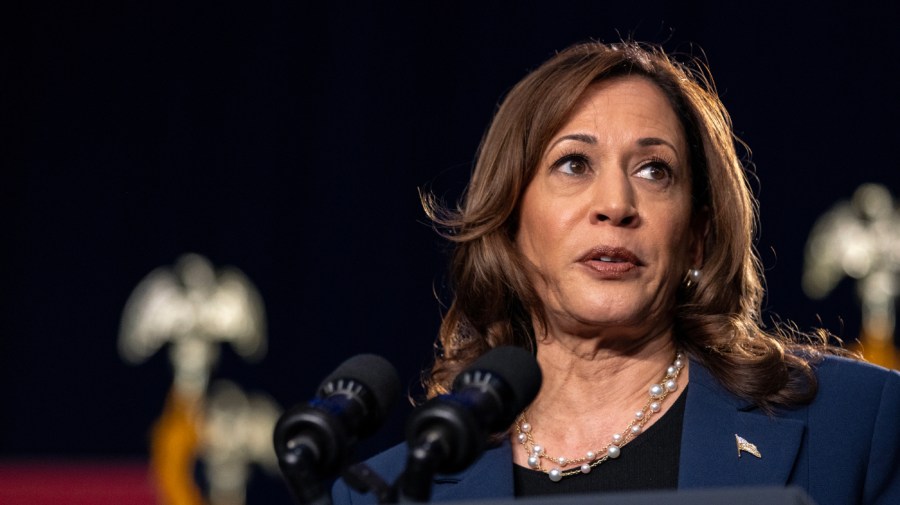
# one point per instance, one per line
(853, 423)
(387, 465)
(845, 371)
(847, 382)
(390, 462)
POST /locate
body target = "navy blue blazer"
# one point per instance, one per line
(843, 448)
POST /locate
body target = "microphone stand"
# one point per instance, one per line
(421, 467)
(363, 479)
(413, 485)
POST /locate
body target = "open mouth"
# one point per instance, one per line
(611, 255)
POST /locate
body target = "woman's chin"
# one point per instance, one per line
(627, 323)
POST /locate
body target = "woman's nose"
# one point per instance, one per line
(614, 201)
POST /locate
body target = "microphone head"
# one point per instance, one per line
(514, 366)
(448, 432)
(372, 372)
(313, 441)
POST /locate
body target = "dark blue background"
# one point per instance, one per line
(289, 140)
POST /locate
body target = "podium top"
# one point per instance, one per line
(718, 496)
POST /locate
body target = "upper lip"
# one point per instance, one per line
(609, 253)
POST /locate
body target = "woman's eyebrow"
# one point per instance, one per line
(580, 137)
(655, 141)
(590, 139)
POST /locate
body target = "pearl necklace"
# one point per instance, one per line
(536, 452)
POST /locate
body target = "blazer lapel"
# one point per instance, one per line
(709, 450)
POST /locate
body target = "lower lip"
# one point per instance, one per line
(610, 268)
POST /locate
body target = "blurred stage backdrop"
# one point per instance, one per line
(254, 167)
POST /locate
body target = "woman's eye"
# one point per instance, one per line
(656, 171)
(573, 165)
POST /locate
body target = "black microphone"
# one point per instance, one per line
(313, 441)
(449, 432)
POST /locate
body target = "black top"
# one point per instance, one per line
(650, 461)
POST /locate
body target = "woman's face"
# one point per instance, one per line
(606, 220)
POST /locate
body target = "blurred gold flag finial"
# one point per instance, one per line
(861, 239)
(194, 309)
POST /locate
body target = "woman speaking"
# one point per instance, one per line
(608, 227)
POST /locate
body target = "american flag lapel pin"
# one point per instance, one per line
(745, 446)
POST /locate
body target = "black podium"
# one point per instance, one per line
(724, 496)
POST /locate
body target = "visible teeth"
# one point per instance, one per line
(611, 260)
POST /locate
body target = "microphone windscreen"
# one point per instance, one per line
(375, 373)
(519, 370)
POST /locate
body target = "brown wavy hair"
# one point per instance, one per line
(717, 321)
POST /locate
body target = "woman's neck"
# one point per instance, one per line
(592, 391)
(584, 375)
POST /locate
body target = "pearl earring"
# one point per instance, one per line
(693, 277)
